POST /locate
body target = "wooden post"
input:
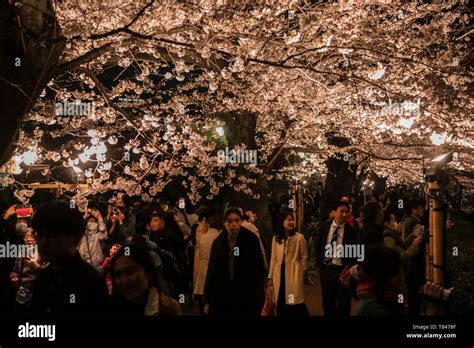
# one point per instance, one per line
(437, 220)
(295, 203)
(297, 197)
(300, 208)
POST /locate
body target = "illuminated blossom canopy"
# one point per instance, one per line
(164, 76)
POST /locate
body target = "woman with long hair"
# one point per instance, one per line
(287, 266)
(235, 276)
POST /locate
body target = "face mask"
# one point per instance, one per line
(92, 226)
(21, 227)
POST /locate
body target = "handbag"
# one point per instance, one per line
(269, 305)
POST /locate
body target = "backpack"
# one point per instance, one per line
(170, 267)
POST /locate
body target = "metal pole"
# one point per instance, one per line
(437, 216)
(429, 249)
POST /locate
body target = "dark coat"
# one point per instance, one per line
(416, 263)
(349, 237)
(244, 294)
(169, 240)
(77, 287)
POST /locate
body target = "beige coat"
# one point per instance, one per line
(200, 231)
(203, 252)
(296, 262)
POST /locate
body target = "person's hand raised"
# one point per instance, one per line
(10, 212)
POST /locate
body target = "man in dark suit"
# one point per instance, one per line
(236, 273)
(334, 235)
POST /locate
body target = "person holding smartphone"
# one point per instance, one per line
(12, 230)
(412, 228)
(121, 221)
(90, 246)
(24, 272)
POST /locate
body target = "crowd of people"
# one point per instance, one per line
(160, 258)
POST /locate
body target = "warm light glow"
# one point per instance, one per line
(18, 170)
(438, 139)
(84, 157)
(100, 149)
(379, 73)
(220, 131)
(29, 157)
(440, 157)
(77, 169)
(406, 122)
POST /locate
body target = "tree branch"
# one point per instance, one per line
(358, 48)
(89, 56)
(354, 148)
(122, 112)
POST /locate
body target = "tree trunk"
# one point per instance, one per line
(240, 128)
(27, 61)
(339, 180)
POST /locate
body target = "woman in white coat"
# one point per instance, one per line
(213, 221)
(287, 266)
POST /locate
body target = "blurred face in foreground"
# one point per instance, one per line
(131, 279)
(56, 247)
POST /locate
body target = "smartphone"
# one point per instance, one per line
(418, 230)
(424, 233)
(23, 210)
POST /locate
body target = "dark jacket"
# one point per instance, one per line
(169, 240)
(244, 294)
(77, 287)
(416, 262)
(349, 238)
(372, 307)
(370, 234)
(408, 225)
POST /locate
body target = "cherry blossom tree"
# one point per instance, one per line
(165, 78)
